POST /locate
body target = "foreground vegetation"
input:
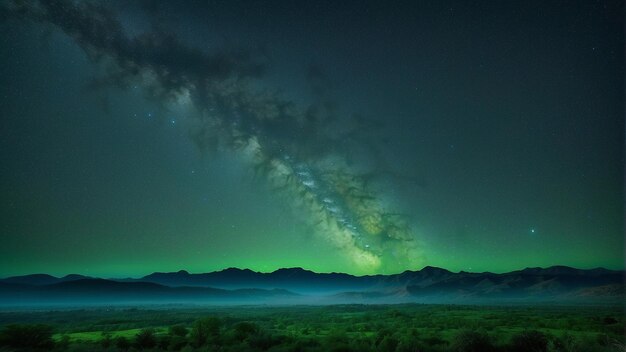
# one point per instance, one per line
(408, 327)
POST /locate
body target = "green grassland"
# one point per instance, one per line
(410, 327)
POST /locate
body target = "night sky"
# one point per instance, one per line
(350, 136)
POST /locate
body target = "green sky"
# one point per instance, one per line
(361, 139)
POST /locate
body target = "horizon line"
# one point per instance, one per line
(316, 272)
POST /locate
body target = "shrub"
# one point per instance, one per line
(178, 330)
(106, 341)
(265, 341)
(244, 330)
(204, 331)
(336, 338)
(122, 343)
(342, 347)
(564, 343)
(63, 343)
(177, 343)
(472, 341)
(529, 341)
(164, 342)
(145, 339)
(388, 344)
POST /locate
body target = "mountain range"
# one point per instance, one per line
(557, 284)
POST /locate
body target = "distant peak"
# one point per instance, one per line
(74, 276)
(434, 269)
(232, 269)
(531, 268)
(292, 270)
(550, 269)
(35, 276)
(161, 274)
(296, 268)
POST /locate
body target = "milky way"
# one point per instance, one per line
(293, 147)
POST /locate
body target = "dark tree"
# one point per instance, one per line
(145, 339)
(106, 340)
(264, 341)
(63, 343)
(472, 341)
(609, 320)
(122, 343)
(388, 344)
(27, 337)
(176, 338)
(529, 341)
(204, 331)
(164, 342)
(245, 329)
(178, 330)
(177, 343)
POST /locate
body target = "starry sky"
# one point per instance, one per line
(356, 136)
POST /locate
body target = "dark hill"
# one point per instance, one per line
(558, 284)
(103, 291)
(41, 279)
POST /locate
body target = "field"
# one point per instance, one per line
(410, 327)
